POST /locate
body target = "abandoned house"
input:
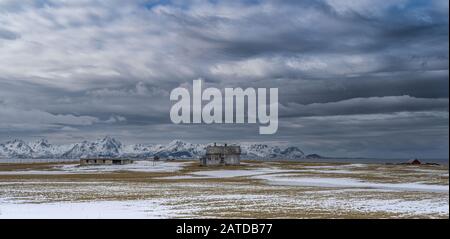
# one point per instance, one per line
(104, 161)
(221, 155)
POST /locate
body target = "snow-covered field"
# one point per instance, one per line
(255, 189)
(86, 210)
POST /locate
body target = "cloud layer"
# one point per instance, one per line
(366, 78)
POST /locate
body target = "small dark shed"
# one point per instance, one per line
(414, 162)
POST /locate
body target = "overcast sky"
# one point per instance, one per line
(356, 78)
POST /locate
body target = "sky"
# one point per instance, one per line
(356, 78)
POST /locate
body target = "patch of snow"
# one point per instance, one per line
(340, 171)
(357, 165)
(34, 172)
(238, 173)
(429, 171)
(181, 177)
(88, 210)
(344, 166)
(426, 206)
(288, 180)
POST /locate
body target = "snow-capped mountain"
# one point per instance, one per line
(180, 149)
(138, 150)
(106, 147)
(16, 149)
(268, 151)
(110, 147)
(43, 149)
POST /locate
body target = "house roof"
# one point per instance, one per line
(223, 150)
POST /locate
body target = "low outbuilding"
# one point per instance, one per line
(104, 161)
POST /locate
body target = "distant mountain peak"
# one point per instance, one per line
(110, 142)
(314, 156)
(177, 142)
(42, 142)
(108, 138)
(16, 142)
(16, 148)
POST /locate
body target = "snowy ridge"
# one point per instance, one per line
(110, 147)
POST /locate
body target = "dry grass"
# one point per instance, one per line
(214, 197)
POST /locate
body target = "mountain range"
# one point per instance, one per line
(111, 147)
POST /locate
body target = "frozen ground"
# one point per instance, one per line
(85, 210)
(238, 173)
(74, 168)
(254, 190)
(285, 179)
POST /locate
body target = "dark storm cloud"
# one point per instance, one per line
(415, 84)
(90, 68)
(373, 105)
(313, 27)
(376, 135)
(8, 35)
